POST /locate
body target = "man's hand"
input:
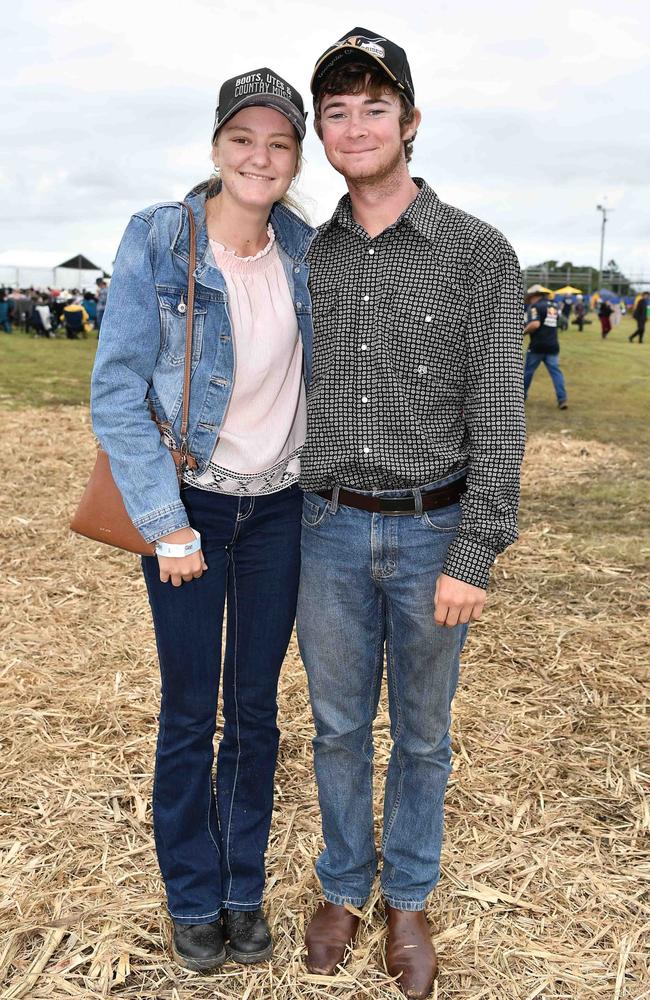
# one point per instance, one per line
(456, 603)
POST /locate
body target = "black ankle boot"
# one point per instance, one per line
(199, 947)
(247, 934)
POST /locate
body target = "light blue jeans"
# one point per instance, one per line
(367, 585)
(552, 362)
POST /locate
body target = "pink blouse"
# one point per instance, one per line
(259, 445)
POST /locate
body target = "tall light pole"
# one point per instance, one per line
(604, 209)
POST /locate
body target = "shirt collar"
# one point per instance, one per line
(421, 214)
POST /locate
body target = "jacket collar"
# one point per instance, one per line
(293, 235)
(421, 214)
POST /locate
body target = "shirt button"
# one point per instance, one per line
(428, 319)
(371, 252)
(366, 298)
(364, 399)
(364, 347)
(366, 449)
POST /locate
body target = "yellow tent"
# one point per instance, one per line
(568, 290)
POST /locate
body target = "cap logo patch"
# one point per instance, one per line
(360, 42)
(257, 83)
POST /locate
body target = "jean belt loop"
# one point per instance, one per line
(417, 496)
(334, 502)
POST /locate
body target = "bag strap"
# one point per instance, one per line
(189, 323)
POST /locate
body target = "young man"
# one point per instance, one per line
(411, 468)
(544, 345)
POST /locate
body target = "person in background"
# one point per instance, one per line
(5, 310)
(565, 313)
(544, 344)
(76, 320)
(640, 316)
(90, 305)
(605, 311)
(57, 305)
(21, 305)
(42, 311)
(102, 294)
(579, 312)
(231, 530)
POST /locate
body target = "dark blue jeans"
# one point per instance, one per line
(211, 841)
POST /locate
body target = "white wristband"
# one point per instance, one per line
(178, 551)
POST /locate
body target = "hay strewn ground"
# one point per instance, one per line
(546, 862)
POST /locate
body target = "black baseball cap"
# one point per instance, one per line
(260, 88)
(363, 45)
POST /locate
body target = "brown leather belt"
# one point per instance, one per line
(431, 500)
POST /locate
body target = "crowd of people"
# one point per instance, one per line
(609, 312)
(77, 313)
(46, 312)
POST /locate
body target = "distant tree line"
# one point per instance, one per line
(555, 275)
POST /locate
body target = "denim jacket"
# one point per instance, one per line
(139, 362)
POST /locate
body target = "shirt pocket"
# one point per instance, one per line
(172, 305)
(427, 352)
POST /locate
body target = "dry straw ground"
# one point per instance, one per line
(544, 891)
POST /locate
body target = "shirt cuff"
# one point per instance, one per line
(469, 561)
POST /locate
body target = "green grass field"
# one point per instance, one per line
(608, 382)
(41, 372)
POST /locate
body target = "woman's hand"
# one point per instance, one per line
(181, 570)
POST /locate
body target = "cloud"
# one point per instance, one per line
(530, 117)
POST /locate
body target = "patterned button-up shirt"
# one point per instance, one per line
(417, 367)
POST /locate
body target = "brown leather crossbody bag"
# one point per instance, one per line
(101, 514)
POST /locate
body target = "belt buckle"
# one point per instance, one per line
(394, 513)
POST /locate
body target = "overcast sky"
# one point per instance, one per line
(532, 113)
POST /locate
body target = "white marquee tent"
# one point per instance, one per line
(43, 269)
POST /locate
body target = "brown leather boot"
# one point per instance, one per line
(331, 930)
(410, 953)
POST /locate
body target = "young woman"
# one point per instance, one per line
(233, 530)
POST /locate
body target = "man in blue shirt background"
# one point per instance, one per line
(541, 326)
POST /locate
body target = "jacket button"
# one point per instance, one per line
(182, 308)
